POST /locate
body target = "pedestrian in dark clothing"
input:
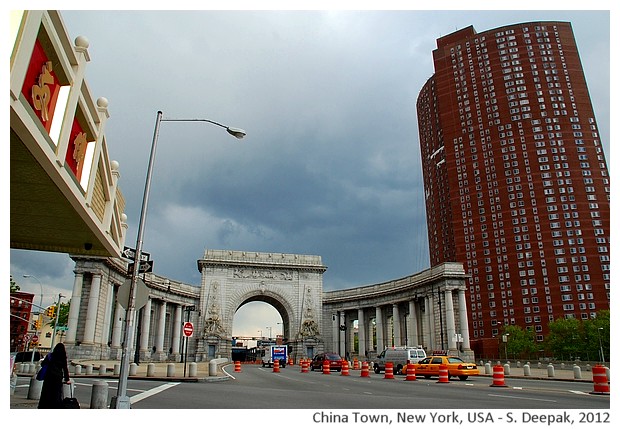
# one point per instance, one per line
(57, 373)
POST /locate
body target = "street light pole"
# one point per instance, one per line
(600, 344)
(121, 401)
(39, 312)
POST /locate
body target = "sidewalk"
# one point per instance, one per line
(159, 370)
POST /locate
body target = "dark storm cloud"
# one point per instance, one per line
(330, 165)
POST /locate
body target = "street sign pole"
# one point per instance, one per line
(121, 401)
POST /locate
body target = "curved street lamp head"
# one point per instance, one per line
(236, 132)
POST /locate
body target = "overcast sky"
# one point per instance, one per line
(330, 165)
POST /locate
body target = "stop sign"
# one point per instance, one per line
(188, 329)
(35, 338)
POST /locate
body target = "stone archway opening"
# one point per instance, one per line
(257, 319)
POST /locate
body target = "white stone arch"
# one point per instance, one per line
(282, 305)
(293, 284)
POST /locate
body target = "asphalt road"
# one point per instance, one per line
(260, 388)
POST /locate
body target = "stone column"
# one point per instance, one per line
(450, 324)
(430, 323)
(161, 330)
(371, 341)
(379, 321)
(343, 334)
(335, 332)
(176, 331)
(463, 320)
(361, 334)
(396, 322)
(412, 328)
(117, 330)
(74, 310)
(105, 335)
(146, 329)
(91, 313)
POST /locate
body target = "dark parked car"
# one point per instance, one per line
(335, 361)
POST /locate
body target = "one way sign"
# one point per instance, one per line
(129, 253)
(145, 267)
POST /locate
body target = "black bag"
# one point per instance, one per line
(71, 402)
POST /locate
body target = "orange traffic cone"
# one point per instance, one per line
(237, 366)
(345, 368)
(326, 367)
(389, 370)
(304, 365)
(276, 366)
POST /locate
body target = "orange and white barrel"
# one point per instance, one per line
(276, 366)
(599, 378)
(443, 374)
(410, 372)
(498, 376)
(326, 367)
(365, 371)
(237, 366)
(389, 370)
(345, 368)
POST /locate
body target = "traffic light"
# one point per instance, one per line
(37, 324)
(50, 311)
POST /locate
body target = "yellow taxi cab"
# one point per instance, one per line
(457, 367)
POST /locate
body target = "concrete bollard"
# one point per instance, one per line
(588, 367)
(170, 370)
(518, 364)
(99, 395)
(550, 370)
(507, 369)
(607, 373)
(13, 383)
(150, 370)
(88, 369)
(562, 366)
(526, 370)
(78, 369)
(117, 369)
(34, 389)
(212, 368)
(102, 369)
(577, 372)
(133, 368)
(487, 368)
(193, 369)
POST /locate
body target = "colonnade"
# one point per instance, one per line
(96, 325)
(426, 310)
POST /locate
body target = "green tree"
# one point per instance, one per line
(566, 338)
(14, 286)
(597, 337)
(63, 315)
(520, 342)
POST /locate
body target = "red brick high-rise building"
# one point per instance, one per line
(516, 183)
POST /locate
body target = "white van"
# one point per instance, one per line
(400, 357)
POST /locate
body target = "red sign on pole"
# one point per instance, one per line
(35, 338)
(188, 329)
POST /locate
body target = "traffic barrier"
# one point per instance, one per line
(276, 366)
(365, 371)
(389, 370)
(305, 364)
(356, 363)
(443, 374)
(599, 378)
(410, 372)
(345, 368)
(290, 361)
(326, 369)
(237, 366)
(99, 395)
(498, 376)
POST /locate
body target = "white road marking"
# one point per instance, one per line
(523, 397)
(155, 391)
